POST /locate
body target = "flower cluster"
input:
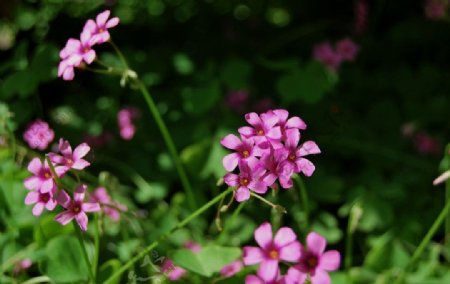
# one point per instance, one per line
(125, 118)
(435, 9)
(79, 51)
(111, 208)
(38, 135)
(345, 50)
(47, 193)
(309, 262)
(265, 152)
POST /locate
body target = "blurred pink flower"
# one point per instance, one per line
(22, 266)
(172, 272)
(408, 129)
(125, 118)
(361, 9)
(194, 247)
(75, 208)
(426, 144)
(314, 262)
(70, 160)
(283, 247)
(435, 9)
(324, 53)
(41, 201)
(98, 29)
(347, 49)
(111, 208)
(38, 135)
(232, 268)
(236, 100)
(263, 105)
(98, 141)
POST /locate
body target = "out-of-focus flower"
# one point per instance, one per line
(232, 268)
(236, 100)
(125, 121)
(192, 246)
(263, 105)
(75, 208)
(38, 135)
(314, 262)
(435, 9)
(98, 141)
(347, 49)
(361, 9)
(324, 53)
(98, 29)
(70, 160)
(41, 201)
(426, 144)
(283, 247)
(22, 266)
(111, 208)
(172, 272)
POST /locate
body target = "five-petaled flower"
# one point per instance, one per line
(42, 180)
(98, 29)
(70, 159)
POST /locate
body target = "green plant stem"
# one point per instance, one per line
(96, 245)
(119, 53)
(170, 144)
(39, 279)
(228, 223)
(447, 219)
(164, 236)
(425, 241)
(83, 248)
(304, 195)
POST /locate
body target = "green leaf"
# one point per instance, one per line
(235, 74)
(107, 269)
(308, 84)
(65, 261)
(206, 262)
(183, 64)
(199, 100)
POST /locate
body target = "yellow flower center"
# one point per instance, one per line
(47, 175)
(76, 209)
(244, 181)
(260, 132)
(273, 254)
(245, 153)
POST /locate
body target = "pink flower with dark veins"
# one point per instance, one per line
(38, 135)
(99, 28)
(245, 149)
(277, 167)
(263, 128)
(284, 246)
(70, 159)
(41, 201)
(75, 208)
(296, 154)
(42, 180)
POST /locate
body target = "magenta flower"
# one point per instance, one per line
(283, 247)
(192, 246)
(171, 271)
(277, 167)
(347, 49)
(38, 135)
(125, 119)
(75, 208)
(254, 279)
(314, 262)
(426, 144)
(231, 269)
(324, 53)
(435, 9)
(236, 100)
(249, 178)
(263, 128)
(361, 10)
(296, 154)
(41, 201)
(42, 180)
(70, 160)
(110, 208)
(98, 29)
(286, 123)
(22, 266)
(245, 150)
(263, 105)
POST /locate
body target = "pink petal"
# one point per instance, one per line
(231, 179)
(309, 147)
(274, 133)
(51, 204)
(32, 183)
(305, 166)
(38, 208)
(320, 277)
(230, 161)
(252, 255)
(82, 220)
(269, 119)
(246, 131)
(330, 260)
(242, 194)
(69, 74)
(270, 179)
(263, 235)
(253, 119)
(284, 236)
(102, 18)
(292, 138)
(47, 186)
(89, 27)
(112, 22)
(61, 170)
(79, 193)
(35, 166)
(31, 198)
(258, 186)
(291, 252)
(282, 115)
(295, 276)
(90, 207)
(268, 270)
(64, 217)
(253, 279)
(80, 164)
(89, 56)
(315, 243)
(296, 122)
(55, 158)
(81, 151)
(63, 199)
(231, 142)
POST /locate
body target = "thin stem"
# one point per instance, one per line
(425, 241)
(218, 220)
(52, 170)
(119, 53)
(83, 249)
(227, 226)
(164, 236)
(304, 195)
(39, 279)
(96, 245)
(109, 71)
(169, 143)
(274, 206)
(447, 219)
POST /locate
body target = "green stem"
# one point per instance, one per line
(55, 176)
(274, 206)
(304, 195)
(97, 246)
(425, 241)
(169, 143)
(83, 248)
(447, 219)
(119, 53)
(39, 279)
(229, 222)
(154, 244)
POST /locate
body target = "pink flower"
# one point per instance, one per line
(231, 269)
(296, 154)
(347, 49)
(76, 208)
(263, 128)
(98, 141)
(283, 247)
(110, 208)
(42, 180)
(99, 28)
(22, 266)
(426, 144)
(315, 262)
(70, 160)
(194, 247)
(245, 150)
(277, 167)
(435, 9)
(254, 279)
(42, 200)
(38, 135)
(324, 53)
(263, 105)
(236, 100)
(361, 11)
(286, 123)
(249, 178)
(171, 271)
(125, 119)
